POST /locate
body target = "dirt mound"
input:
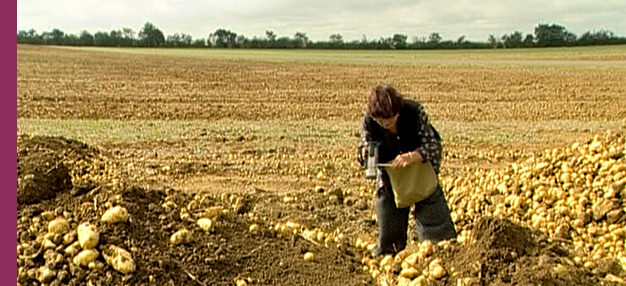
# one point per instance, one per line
(222, 256)
(68, 149)
(504, 253)
(228, 253)
(500, 253)
(497, 244)
(47, 165)
(231, 252)
(41, 174)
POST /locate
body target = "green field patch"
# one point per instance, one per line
(573, 56)
(271, 135)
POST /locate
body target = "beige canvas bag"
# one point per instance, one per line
(412, 183)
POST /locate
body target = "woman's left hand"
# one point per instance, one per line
(406, 159)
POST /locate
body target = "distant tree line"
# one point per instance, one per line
(545, 35)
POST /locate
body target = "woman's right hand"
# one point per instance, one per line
(366, 147)
(362, 153)
(406, 159)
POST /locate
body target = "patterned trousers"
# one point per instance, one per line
(432, 219)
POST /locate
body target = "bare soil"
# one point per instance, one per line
(502, 253)
(275, 176)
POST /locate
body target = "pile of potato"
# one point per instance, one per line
(64, 247)
(573, 194)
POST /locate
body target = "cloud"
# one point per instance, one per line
(318, 19)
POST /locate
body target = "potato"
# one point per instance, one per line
(185, 216)
(180, 237)
(115, 215)
(48, 244)
(68, 238)
(73, 249)
(403, 281)
(59, 225)
(372, 263)
(85, 257)
(119, 259)
(375, 274)
(412, 258)
(206, 225)
(292, 226)
(409, 273)
(419, 281)
(88, 235)
(96, 265)
(280, 228)
(615, 279)
(320, 236)
(307, 233)
(359, 243)
(426, 248)
(254, 228)
(45, 274)
(328, 240)
(437, 271)
(47, 215)
(386, 261)
(309, 256)
(371, 246)
(340, 238)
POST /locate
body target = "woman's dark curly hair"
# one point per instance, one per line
(384, 102)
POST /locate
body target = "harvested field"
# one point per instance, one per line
(81, 84)
(269, 140)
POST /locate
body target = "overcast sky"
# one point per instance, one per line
(353, 19)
